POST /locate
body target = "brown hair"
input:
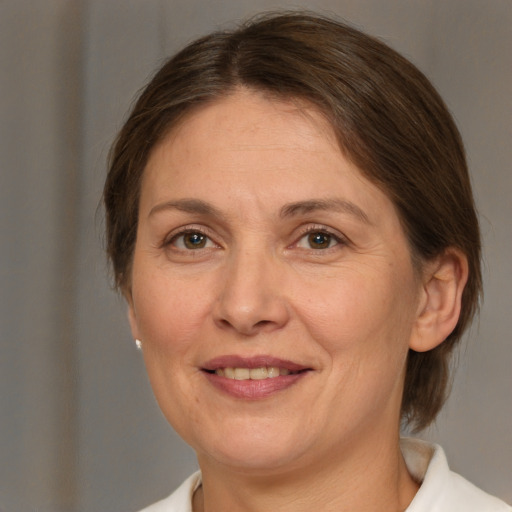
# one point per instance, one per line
(389, 121)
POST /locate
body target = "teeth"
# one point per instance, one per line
(242, 373)
(269, 372)
(259, 373)
(273, 372)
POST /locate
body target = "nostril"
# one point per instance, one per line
(224, 323)
(251, 314)
(247, 329)
(262, 323)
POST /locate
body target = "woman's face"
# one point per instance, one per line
(272, 288)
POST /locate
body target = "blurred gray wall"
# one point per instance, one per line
(79, 428)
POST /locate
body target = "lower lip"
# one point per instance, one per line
(254, 389)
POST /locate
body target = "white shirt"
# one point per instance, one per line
(441, 490)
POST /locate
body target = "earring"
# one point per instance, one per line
(138, 344)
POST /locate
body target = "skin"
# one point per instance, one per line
(267, 174)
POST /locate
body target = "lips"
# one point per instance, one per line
(254, 377)
(252, 362)
(264, 372)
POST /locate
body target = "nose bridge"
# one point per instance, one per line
(251, 298)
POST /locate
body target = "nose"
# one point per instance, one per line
(251, 298)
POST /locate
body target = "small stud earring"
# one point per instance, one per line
(138, 344)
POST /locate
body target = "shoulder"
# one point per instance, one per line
(180, 500)
(473, 496)
(441, 489)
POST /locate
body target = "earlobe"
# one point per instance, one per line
(444, 279)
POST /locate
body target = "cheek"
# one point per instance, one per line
(369, 312)
(169, 317)
(169, 312)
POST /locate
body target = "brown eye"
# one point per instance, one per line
(192, 240)
(319, 240)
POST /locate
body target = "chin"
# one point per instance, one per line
(256, 461)
(265, 449)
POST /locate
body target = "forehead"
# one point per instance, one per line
(248, 145)
(252, 120)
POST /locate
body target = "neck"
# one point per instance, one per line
(367, 480)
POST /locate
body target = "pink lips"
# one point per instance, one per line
(253, 389)
(251, 362)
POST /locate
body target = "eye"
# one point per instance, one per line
(318, 240)
(191, 240)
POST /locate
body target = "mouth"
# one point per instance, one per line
(253, 378)
(264, 372)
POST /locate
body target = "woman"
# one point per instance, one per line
(290, 219)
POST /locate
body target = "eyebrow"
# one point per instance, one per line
(334, 204)
(196, 206)
(200, 207)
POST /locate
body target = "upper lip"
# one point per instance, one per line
(236, 361)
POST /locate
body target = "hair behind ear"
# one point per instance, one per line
(427, 381)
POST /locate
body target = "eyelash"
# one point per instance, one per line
(309, 230)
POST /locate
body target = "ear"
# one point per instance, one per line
(443, 281)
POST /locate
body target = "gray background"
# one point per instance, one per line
(79, 428)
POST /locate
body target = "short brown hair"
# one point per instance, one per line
(388, 118)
